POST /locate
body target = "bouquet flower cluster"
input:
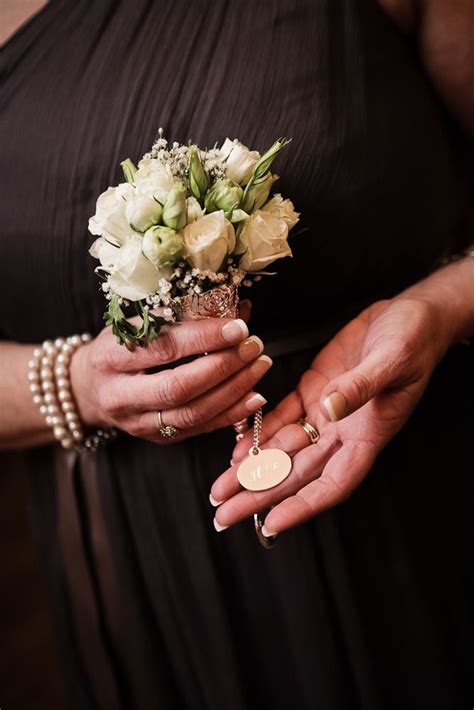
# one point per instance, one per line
(187, 223)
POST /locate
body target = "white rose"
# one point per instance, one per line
(209, 240)
(153, 179)
(110, 220)
(263, 239)
(143, 212)
(193, 210)
(131, 275)
(240, 160)
(284, 209)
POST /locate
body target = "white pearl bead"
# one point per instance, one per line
(33, 364)
(75, 341)
(63, 383)
(45, 361)
(33, 376)
(37, 352)
(53, 409)
(48, 343)
(71, 417)
(67, 348)
(57, 421)
(43, 409)
(48, 386)
(59, 342)
(59, 432)
(77, 435)
(63, 358)
(38, 399)
(67, 443)
(64, 396)
(67, 407)
(86, 337)
(46, 373)
(50, 398)
(49, 420)
(74, 426)
(35, 388)
(60, 371)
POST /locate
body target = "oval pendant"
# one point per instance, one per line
(264, 469)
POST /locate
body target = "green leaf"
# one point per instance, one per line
(125, 332)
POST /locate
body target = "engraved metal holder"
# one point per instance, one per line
(220, 302)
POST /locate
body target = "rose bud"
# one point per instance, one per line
(224, 195)
(198, 179)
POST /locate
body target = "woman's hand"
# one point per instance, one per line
(113, 388)
(359, 392)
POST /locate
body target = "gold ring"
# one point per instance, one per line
(311, 431)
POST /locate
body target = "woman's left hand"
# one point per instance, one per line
(358, 393)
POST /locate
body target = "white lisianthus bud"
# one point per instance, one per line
(263, 239)
(284, 209)
(193, 210)
(209, 240)
(143, 212)
(174, 209)
(239, 160)
(162, 246)
(131, 274)
(129, 170)
(258, 193)
(197, 176)
(223, 195)
(110, 220)
(154, 179)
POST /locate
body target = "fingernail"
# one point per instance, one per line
(232, 462)
(261, 365)
(250, 348)
(214, 502)
(218, 527)
(267, 533)
(255, 402)
(235, 331)
(335, 405)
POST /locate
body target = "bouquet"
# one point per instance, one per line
(184, 230)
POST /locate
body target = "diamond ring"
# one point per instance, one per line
(168, 431)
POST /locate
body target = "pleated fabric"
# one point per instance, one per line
(370, 605)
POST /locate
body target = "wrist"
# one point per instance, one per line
(82, 388)
(449, 294)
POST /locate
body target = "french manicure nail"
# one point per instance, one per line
(267, 533)
(250, 348)
(235, 331)
(261, 365)
(214, 502)
(335, 405)
(255, 402)
(219, 527)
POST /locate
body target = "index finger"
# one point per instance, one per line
(180, 340)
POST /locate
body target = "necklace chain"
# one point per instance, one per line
(257, 430)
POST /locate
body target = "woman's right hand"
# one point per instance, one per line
(112, 387)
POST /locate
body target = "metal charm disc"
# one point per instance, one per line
(264, 469)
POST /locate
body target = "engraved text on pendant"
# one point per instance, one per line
(264, 470)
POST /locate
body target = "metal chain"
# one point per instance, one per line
(257, 430)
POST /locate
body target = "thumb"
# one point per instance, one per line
(346, 393)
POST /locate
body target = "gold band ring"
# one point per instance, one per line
(311, 431)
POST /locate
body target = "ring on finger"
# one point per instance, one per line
(167, 431)
(311, 431)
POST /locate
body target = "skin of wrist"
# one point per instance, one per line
(445, 294)
(79, 374)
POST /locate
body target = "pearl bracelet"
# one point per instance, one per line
(48, 375)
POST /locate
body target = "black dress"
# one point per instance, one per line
(370, 605)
